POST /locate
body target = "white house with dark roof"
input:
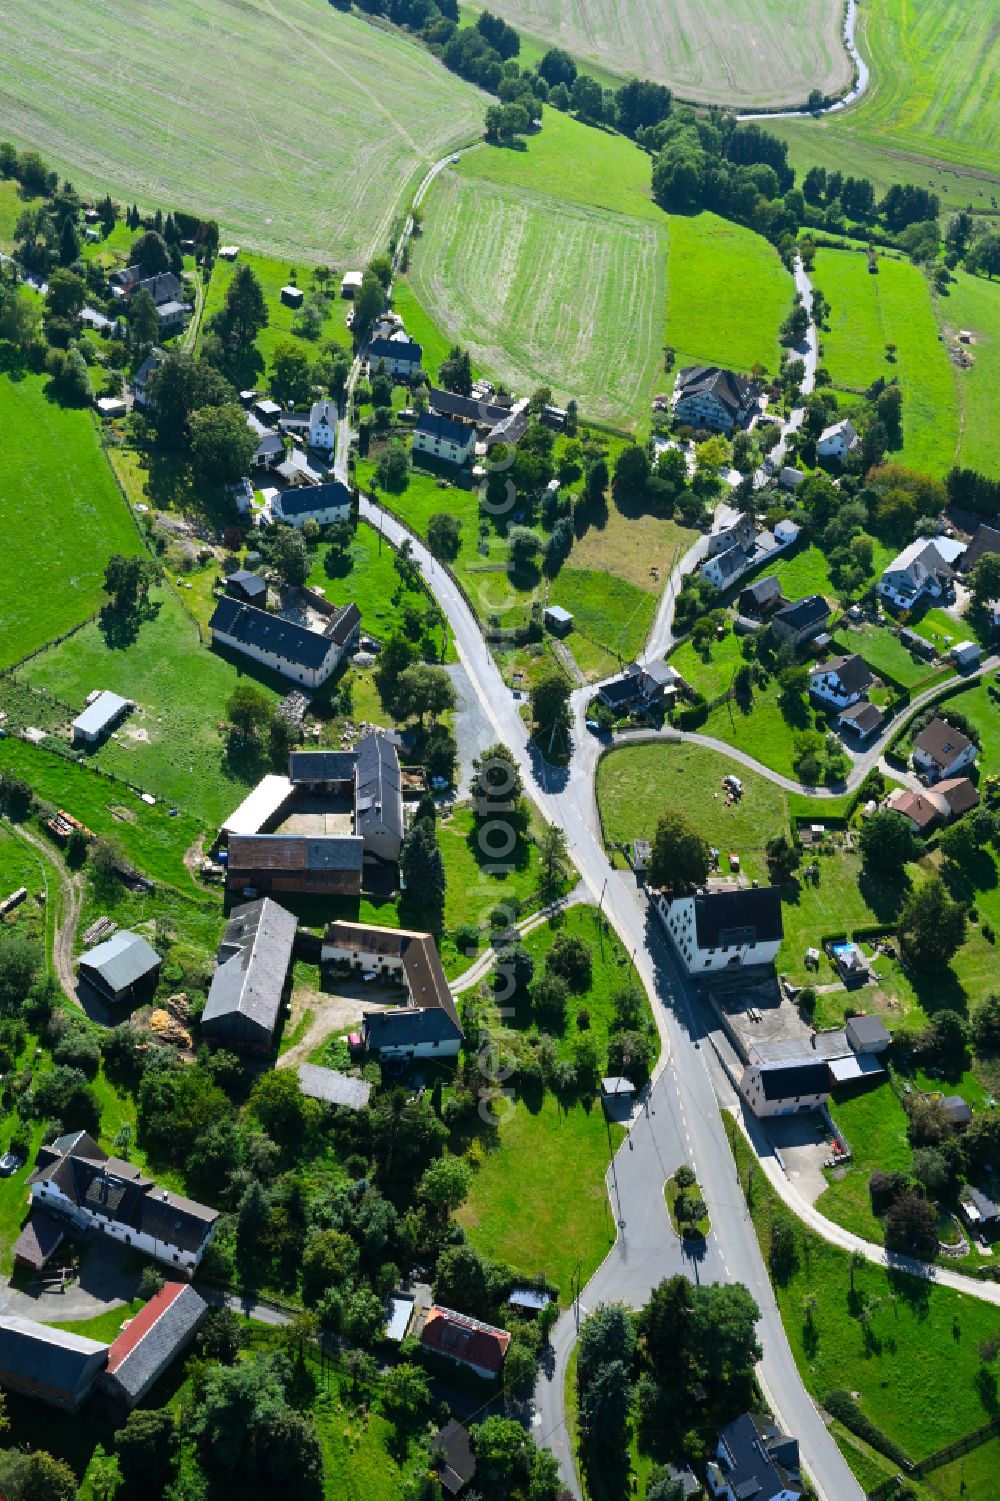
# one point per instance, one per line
(76, 1178)
(306, 656)
(442, 438)
(920, 571)
(323, 419)
(323, 504)
(724, 928)
(838, 440)
(719, 400)
(841, 681)
(253, 961)
(399, 354)
(755, 1461)
(428, 1025)
(941, 752)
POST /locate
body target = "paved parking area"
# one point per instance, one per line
(104, 1283)
(804, 1144)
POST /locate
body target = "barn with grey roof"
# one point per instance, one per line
(149, 1343)
(49, 1364)
(243, 1009)
(123, 968)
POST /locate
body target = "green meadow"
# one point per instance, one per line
(973, 303)
(63, 516)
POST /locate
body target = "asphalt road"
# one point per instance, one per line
(684, 1121)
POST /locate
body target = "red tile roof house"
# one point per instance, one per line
(151, 1342)
(467, 1341)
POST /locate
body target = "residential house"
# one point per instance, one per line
(241, 494)
(760, 598)
(306, 656)
(706, 396)
(786, 532)
(427, 1026)
(786, 1086)
(249, 987)
(323, 419)
(919, 572)
(99, 718)
(754, 1459)
(441, 438)
(841, 681)
(940, 752)
(400, 355)
(802, 620)
(452, 1457)
(150, 1342)
(76, 1178)
(917, 809)
(49, 1364)
(249, 588)
(164, 288)
(861, 719)
(323, 504)
(172, 315)
(790, 478)
(141, 378)
(953, 797)
(985, 540)
(122, 968)
(467, 1341)
(724, 927)
(838, 440)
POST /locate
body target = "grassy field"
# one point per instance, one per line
(637, 784)
(171, 743)
(539, 1200)
(285, 159)
(885, 654)
(607, 611)
(974, 303)
(727, 294)
(738, 53)
(273, 275)
(867, 313)
(874, 1125)
(932, 108)
(545, 292)
(12, 205)
(917, 1343)
(63, 517)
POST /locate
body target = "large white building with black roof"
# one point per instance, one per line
(719, 400)
(76, 1178)
(428, 1025)
(323, 504)
(723, 928)
(443, 438)
(49, 1364)
(306, 656)
(122, 968)
(243, 1009)
(755, 1461)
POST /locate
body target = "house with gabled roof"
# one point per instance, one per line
(122, 968)
(921, 571)
(323, 504)
(306, 656)
(253, 963)
(724, 927)
(710, 397)
(755, 1461)
(801, 620)
(76, 1179)
(841, 681)
(465, 1340)
(150, 1342)
(428, 1025)
(443, 438)
(941, 752)
(838, 440)
(323, 419)
(399, 354)
(52, 1365)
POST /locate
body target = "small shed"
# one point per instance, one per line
(228, 252)
(617, 1087)
(397, 1317)
(99, 718)
(790, 478)
(332, 1087)
(38, 1241)
(111, 406)
(292, 296)
(965, 654)
(958, 1111)
(248, 587)
(868, 1034)
(351, 283)
(122, 968)
(558, 620)
(530, 1299)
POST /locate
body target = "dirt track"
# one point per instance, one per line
(67, 914)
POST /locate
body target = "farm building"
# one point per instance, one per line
(249, 588)
(725, 927)
(123, 968)
(150, 1343)
(802, 619)
(295, 864)
(292, 296)
(427, 1026)
(558, 620)
(378, 797)
(49, 1364)
(708, 397)
(253, 961)
(467, 1341)
(100, 717)
(323, 504)
(333, 1088)
(350, 283)
(441, 438)
(76, 1178)
(307, 656)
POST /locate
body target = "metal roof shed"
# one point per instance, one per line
(333, 1087)
(120, 965)
(100, 716)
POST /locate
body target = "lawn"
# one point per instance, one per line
(917, 1342)
(738, 53)
(611, 971)
(867, 313)
(637, 784)
(105, 1327)
(886, 654)
(12, 205)
(273, 275)
(607, 612)
(727, 294)
(538, 1201)
(171, 743)
(545, 291)
(420, 326)
(974, 303)
(151, 838)
(766, 731)
(874, 1127)
(285, 160)
(473, 891)
(63, 516)
(709, 669)
(841, 899)
(933, 102)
